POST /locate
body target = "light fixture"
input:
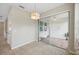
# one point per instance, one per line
(35, 16)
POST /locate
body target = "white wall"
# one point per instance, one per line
(76, 25)
(77, 21)
(23, 29)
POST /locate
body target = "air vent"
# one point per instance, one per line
(21, 7)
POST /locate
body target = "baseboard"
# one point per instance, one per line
(22, 44)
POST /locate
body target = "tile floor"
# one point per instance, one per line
(34, 48)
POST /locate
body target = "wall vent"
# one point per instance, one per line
(21, 7)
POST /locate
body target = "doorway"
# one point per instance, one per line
(4, 46)
(1, 30)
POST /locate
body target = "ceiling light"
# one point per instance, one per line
(35, 16)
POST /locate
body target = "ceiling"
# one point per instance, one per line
(39, 7)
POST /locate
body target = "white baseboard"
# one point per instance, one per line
(22, 44)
